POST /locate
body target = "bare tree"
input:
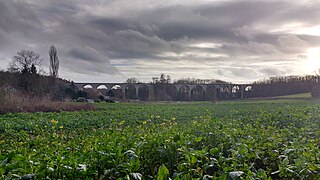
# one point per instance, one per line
(132, 80)
(168, 80)
(54, 62)
(163, 78)
(155, 80)
(25, 61)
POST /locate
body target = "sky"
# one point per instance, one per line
(239, 41)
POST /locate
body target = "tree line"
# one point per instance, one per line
(26, 76)
(166, 79)
(269, 87)
(285, 85)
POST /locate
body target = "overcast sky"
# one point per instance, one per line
(111, 40)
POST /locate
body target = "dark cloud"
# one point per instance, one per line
(86, 54)
(109, 25)
(18, 17)
(231, 39)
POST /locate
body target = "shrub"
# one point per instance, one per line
(81, 99)
(315, 91)
(17, 102)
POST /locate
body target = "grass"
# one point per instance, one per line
(296, 96)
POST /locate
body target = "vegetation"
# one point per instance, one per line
(235, 140)
(296, 96)
(163, 88)
(133, 80)
(200, 81)
(54, 62)
(285, 85)
(25, 62)
(18, 102)
(163, 79)
(24, 88)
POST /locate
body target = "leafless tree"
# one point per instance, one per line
(54, 62)
(25, 61)
(132, 80)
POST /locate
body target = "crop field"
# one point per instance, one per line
(231, 140)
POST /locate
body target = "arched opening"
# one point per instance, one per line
(143, 93)
(183, 94)
(84, 91)
(235, 89)
(91, 93)
(197, 93)
(130, 92)
(248, 88)
(103, 89)
(164, 92)
(223, 92)
(236, 93)
(211, 93)
(116, 87)
(171, 91)
(87, 86)
(115, 92)
(248, 91)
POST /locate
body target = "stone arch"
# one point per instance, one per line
(130, 92)
(171, 91)
(103, 89)
(223, 92)
(211, 93)
(116, 92)
(197, 93)
(143, 93)
(184, 93)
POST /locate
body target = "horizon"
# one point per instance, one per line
(110, 41)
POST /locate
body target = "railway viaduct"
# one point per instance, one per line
(138, 90)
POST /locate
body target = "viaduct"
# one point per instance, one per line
(143, 91)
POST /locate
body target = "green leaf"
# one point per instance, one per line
(193, 159)
(198, 139)
(285, 161)
(163, 173)
(176, 138)
(261, 174)
(214, 151)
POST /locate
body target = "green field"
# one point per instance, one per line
(297, 96)
(229, 140)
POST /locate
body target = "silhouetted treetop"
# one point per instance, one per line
(132, 80)
(54, 62)
(24, 61)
